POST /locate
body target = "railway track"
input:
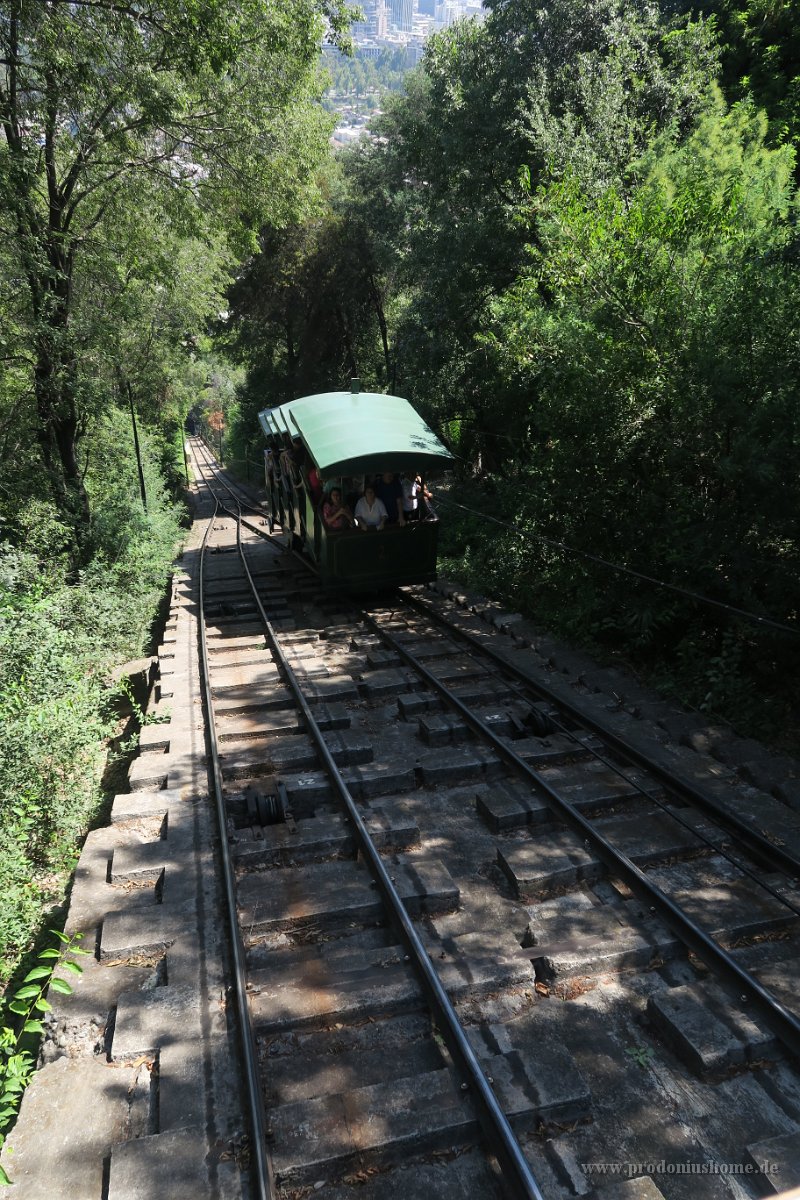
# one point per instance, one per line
(485, 946)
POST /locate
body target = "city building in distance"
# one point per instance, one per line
(388, 41)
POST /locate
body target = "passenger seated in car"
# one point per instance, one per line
(352, 490)
(335, 513)
(370, 511)
(389, 489)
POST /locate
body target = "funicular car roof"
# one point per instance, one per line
(269, 425)
(349, 433)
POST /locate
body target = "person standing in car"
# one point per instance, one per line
(389, 490)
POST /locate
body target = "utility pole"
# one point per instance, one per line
(136, 445)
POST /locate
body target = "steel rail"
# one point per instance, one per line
(772, 855)
(264, 1182)
(784, 1023)
(649, 795)
(752, 842)
(493, 1120)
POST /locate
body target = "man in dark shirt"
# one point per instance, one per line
(389, 489)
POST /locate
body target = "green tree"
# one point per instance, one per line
(536, 86)
(308, 312)
(761, 58)
(657, 326)
(202, 109)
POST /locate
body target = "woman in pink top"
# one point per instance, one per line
(335, 514)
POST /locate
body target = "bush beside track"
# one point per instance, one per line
(725, 667)
(60, 638)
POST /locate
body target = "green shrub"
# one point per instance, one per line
(58, 642)
(28, 1006)
(718, 663)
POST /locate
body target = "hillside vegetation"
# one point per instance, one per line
(573, 242)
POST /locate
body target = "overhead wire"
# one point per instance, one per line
(697, 597)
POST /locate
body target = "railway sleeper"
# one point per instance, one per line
(411, 704)
(377, 660)
(725, 903)
(245, 679)
(773, 960)
(330, 894)
(342, 633)
(238, 725)
(505, 805)
(708, 1030)
(558, 860)
(353, 977)
(305, 1064)
(457, 764)
(225, 637)
(303, 649)
(314, 838)
(391, 682)
(229, 613)
(243, 700)
(461, 669)
(384, 1123)
(249, 759)
(443, 730)
(308, 667)
(782, 1152)
(231, 657)
(572, 937)
(308, 790)
(221, 645)
(423, 647)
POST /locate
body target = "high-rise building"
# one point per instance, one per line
(447, 12)
(402, 13)
(365, 27)
(381, 19)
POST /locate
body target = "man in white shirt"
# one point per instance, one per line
(370, 511)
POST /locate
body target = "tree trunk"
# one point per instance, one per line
(381, 315)
(54, 386)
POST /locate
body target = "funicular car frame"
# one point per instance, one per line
(348, 437)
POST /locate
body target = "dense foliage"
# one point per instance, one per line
(574, 243)
(134, 138)
(58, 640)
(762, 58)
